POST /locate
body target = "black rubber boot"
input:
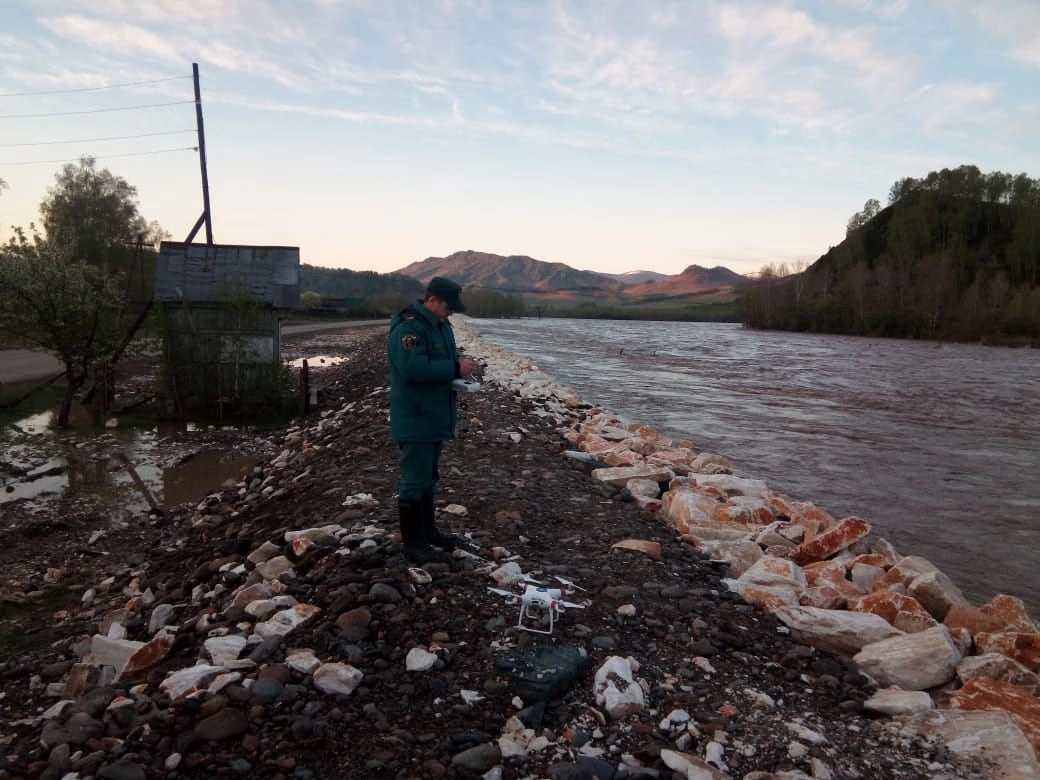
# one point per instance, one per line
(433, 534)
(416, 548)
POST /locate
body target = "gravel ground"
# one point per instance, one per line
(334, 697)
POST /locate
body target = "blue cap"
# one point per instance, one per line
(448, 291)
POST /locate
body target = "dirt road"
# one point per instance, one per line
(30, 365)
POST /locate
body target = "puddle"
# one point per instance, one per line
(201, 474)
(121, 472)
(317, 361)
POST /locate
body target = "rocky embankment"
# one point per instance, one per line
(715, 628)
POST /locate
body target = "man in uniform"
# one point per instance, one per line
(424, 361)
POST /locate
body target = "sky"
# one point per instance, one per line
(610, 135)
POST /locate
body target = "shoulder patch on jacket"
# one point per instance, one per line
(408, 341)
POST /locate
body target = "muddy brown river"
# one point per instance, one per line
(937, 445)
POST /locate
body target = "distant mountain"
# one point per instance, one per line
(514, 274)
(638, 277)
(694, 280)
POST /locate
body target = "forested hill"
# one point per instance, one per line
(954, 256)
(346, 283)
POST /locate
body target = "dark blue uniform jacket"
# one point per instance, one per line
(423, 359)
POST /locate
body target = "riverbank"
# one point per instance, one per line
(274, 630)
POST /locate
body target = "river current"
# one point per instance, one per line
(936, 445)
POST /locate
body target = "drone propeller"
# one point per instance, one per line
(500, 592)
(571, 605)
(568, 583)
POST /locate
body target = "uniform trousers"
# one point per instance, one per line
(419, 473)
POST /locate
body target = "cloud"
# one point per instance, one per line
(1016, 22)
(662, 79)
(233, 58)
(102, 35)
(886, 9)
(957, 104)
(214, 14)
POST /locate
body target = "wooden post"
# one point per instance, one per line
(205, 219)
(305, 389)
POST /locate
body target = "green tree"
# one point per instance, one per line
(310, 300)
(861, 218)
(61, 303)
(93, 215)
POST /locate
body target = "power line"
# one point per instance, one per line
(103, 157)
(90, 89)
(93, 110)
(92, 140)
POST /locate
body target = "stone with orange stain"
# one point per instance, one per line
(884, 548)
(301, 545)
(648, 548)
(596, 445)
(679, 455)
(739, 555)
(905, 572)
(651, 505)
(823, 597)
(685, 508)
(824, 519)
(1011, 613)
(771, 571)
(742, 515)
(936, 592)
(82, 678)
(973, 620)
(619, 476)
(982, 693)
(716, 533)
(871, 559)
(1022, 647)
(710, 462)
(903, 612)
(865, 575)
(639, 445)
(679, 462)
(831, 573)
(811, 528)
(713, 492)
(999, 667)
(768, 597)
(620, 458)
(147, 657)
(826, 544)
(571, 435)
(784, 505)
(644, 431)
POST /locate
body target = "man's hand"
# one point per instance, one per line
(468, 367)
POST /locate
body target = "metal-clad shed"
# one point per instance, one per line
(221, 319)
(208, 273)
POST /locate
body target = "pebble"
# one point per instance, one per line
(229, 722)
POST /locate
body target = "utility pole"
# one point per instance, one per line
(205, 219)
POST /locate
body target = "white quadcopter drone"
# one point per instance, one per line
(538, 603)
